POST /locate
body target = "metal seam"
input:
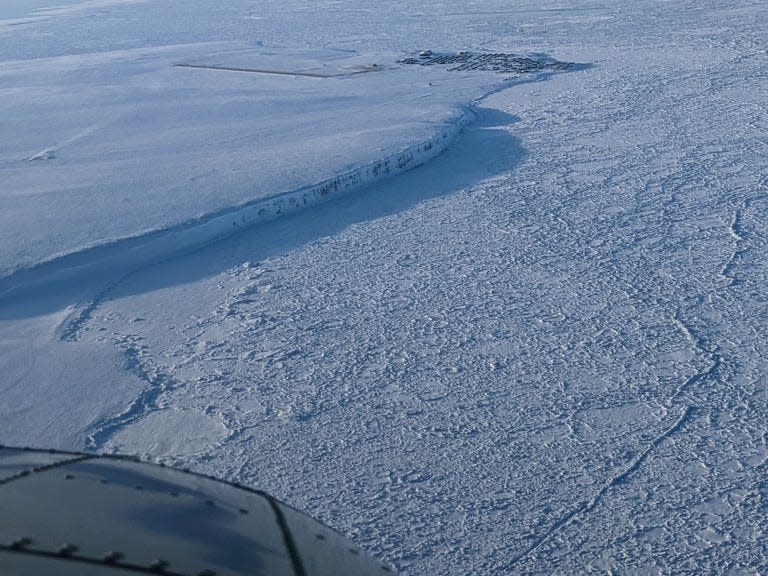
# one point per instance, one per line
(28, 472)
(290, 544)
(92, 561)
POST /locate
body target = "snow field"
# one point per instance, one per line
(541, 352)
(136, 145)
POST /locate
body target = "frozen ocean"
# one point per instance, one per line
(481, 284)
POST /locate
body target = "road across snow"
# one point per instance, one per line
(541, 352)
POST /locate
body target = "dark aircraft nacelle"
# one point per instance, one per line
(65, 514)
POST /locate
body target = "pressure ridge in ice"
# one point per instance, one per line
(541, 352)
(107, 146)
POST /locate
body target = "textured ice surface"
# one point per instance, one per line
(541, 352)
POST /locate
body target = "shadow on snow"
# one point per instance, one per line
(485, 149)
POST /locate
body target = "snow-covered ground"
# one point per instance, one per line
(543, 351)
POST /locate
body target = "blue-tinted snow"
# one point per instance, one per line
(542, 352)
(102, 147)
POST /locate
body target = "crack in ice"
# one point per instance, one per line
(589, 505)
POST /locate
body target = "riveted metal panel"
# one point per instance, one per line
(17, 462)
(20, 564)
(324, 552)
(125, 513)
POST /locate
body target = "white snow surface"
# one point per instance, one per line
(102, 147)
(542, 351)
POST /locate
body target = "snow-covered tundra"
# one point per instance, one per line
(482, 322)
